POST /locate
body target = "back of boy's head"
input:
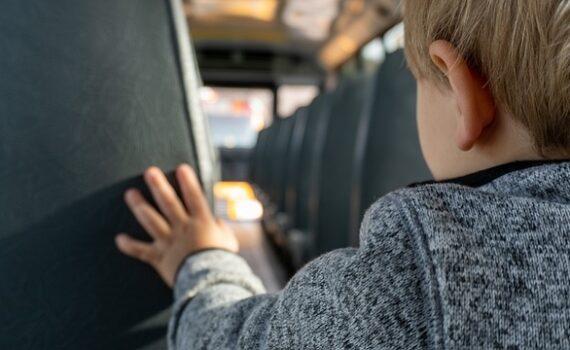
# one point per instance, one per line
(521, 48)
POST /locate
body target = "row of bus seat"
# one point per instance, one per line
(318, 170)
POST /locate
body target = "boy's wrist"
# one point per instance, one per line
(193, 254)
(205, 267)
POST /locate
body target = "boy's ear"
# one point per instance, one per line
(474, 99)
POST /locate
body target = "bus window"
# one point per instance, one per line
(236, 114)
(372, 55)
(291, 97)
(394, 38)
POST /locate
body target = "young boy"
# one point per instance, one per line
(470, 261)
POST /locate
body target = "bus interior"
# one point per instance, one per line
(296, 114)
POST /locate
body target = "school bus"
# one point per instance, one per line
(295, 114)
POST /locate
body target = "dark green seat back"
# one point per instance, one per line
(349, 103)
(92, 93)
(279, 162)
(311, 149)
(294, 170)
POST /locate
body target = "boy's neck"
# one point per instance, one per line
(506, 142)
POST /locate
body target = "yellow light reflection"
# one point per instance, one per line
(239, 197)
(245, 210)
(263, 10)
(230, 190)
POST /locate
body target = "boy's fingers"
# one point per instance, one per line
(165, 196)
(146, 215)
(192, 192)
(135, 248)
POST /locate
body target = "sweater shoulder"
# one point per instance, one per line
(495, 245)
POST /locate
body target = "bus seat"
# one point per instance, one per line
(300, 242)
(334, 191)
(275, 221)
(236, 162)
(390, 151)
(294, 163)
(255, 160)
(312, 144)
(265, 157)
(281, 161)
(96, 92)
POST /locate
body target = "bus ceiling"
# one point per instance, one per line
(283, 41)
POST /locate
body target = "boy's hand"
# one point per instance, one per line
(180, 230)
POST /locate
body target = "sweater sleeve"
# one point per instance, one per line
(349, 298)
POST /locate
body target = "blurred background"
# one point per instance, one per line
(296, 115)
(261, 60)
(288, 68)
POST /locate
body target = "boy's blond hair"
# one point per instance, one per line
(522, 48)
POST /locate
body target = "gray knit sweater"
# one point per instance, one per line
(482, 262)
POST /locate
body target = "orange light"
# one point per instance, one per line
(241, 204)
(241, 107)
(263, 10)
(233, 190)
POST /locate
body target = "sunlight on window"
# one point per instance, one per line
(236, 114)
(291, 97)
(237, 201)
